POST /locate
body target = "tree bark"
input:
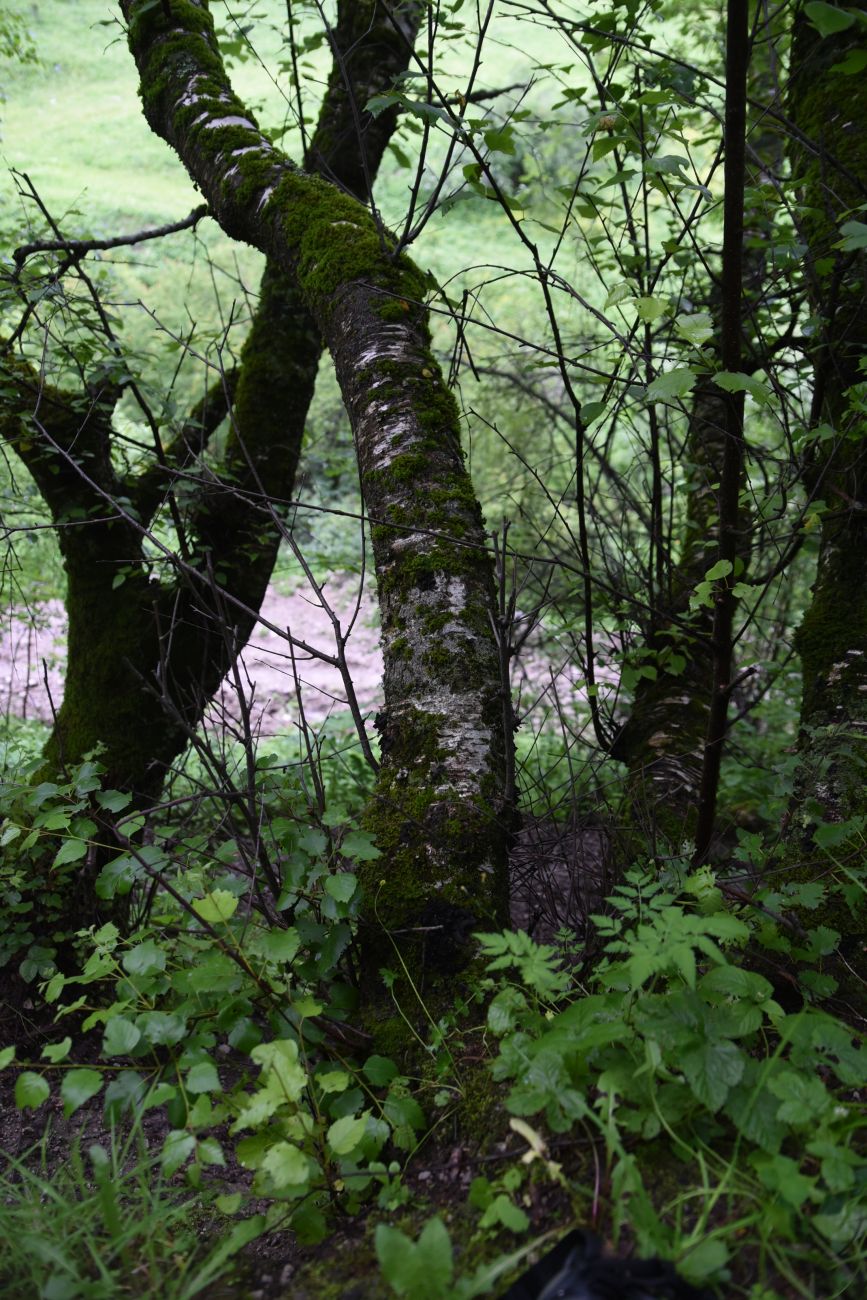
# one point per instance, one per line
(663, 739)
(438, 812)
(830, 110)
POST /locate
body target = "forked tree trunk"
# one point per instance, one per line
(438, 810)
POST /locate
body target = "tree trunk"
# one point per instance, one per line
(663, 739)
(829, 163)
(438, 811)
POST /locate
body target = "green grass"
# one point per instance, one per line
(104, 1225)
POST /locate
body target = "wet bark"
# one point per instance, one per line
(438, 810)
(832, 176)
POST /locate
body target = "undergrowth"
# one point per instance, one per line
(664, 1092)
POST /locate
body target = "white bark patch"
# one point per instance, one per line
(232, 120)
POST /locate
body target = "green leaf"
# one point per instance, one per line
(177, 1149)
(203, 1077)
(650, 309)
(341, 886)
(854, 62)
(120, 1037)
(854, 237)
(827, 19)
(286, 1165)
(144, 959)
(618, 294)
(78, 1087)
(345, 1134)
(501, 140)
(55, 1052)
(721, 569)
(781, 1174)
(804, 1098)
(734, 381)
(113, 800)
(695, 327)
(360, 846)
(161, 1028)
(670, 384)
(422, 1268)
(712, 1069)
(31, 1090)
(117, 877)
(216, 907)
(278, 946)
(7, 1055)
(502, 1209)
(71, 850)
(380, 1070)
(333, 1081)
(700, 1264)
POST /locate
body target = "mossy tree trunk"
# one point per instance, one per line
(438, 811)
(829, 163)
(146, 656)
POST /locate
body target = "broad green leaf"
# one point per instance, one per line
(31, 1090)
(671, 384)
(216, 907)
(781, 1174)
(360, 846)
(380, 1070)
(333, 1081)
(854, 63)
(416, 1269)
(695, 327)
(7, 1055)
(278, 946)
(120, 1037)
(854, 237)
(71, 850)
(734, 381)
(125, 1091)
(618, 294)
(668, 164)
(650, 309)
(804, 1098)
(341, 886)
(117, 877)
(502, 1209)
(161, 1028)
(56, 1052)
(501, 140)
(721, 569)
(113, 800)
(78, 1087)
(828, 19)
(712, 1069)
(286, 1165)
(702, 1262)
(177, 1149)
(203, 1077)
(144, 959)
(230, 1203)
(345, 1134)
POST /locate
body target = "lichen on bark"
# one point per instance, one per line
(445, 746)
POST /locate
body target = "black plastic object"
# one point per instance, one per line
(576, 1269)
